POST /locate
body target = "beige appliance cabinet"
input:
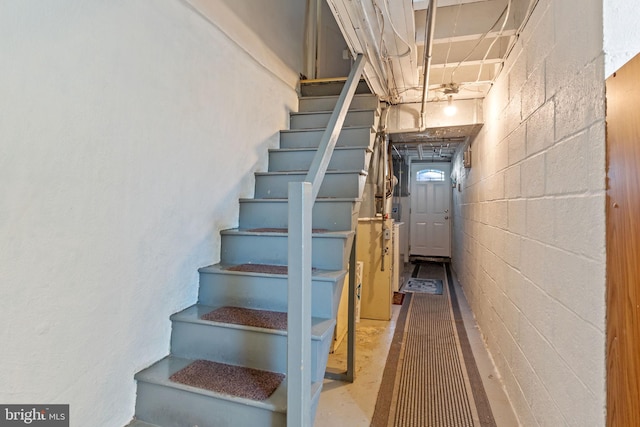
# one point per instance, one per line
(375, 249)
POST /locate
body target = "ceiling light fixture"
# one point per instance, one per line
(450, 109)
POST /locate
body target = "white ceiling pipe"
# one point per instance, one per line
(431, 23)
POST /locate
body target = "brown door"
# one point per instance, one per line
(623, 246)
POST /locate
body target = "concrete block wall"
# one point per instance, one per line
(621, 33)
(128, 132)
(529, 221)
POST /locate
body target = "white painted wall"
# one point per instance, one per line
(621, 33)
(529, 240)
(128, 130)
(331, 46)
(406, 117)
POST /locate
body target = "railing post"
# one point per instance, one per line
(351, 328)
(302, 196)
(299, 306)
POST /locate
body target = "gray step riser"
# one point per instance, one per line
(326, 253)
(333, 216)
(242, 347)
(339, 185)
(284, 161)
(171, 407)
(267, 293)
(321, 119)
(137, 423)
(349, 137)
(333, 88)
(328, 103)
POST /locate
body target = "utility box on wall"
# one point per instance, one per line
(466, 158)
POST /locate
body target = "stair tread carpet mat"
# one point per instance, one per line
(232, 380)
(261, 268)
(282, 230)
(431, 378)
(248, 317)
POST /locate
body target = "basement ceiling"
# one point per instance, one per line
(470, 42)
(437, 144)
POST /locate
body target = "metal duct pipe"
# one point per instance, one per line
(428, 50)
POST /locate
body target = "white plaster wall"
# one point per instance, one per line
(529, 239)
(621, 33)
(128, 130)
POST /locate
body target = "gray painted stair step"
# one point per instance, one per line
(138, 423)
(169, 404)
(299, 159)
(341, 184)
(320, 119)
(331, 214)
(328, 103)
(262, 291)
(310, 138)
(328, 250)
(332, 87)
(254, 347)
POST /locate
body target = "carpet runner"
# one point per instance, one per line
(431, 378)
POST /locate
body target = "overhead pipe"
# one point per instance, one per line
(428, 51)
(382, 179)
(311, 26)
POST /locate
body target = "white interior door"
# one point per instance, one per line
(430, 229)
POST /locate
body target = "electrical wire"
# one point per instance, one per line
(384, 51)
(453, 34)
(495, 39)
(532, 6)
(393, 27)
(484, 36)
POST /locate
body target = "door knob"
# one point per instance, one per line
(446, 217)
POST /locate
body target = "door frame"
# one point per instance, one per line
(410, 182)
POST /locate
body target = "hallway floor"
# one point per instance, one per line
(344, 404)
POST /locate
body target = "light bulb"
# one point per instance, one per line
(450, 109)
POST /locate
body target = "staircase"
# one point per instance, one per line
(229, 351)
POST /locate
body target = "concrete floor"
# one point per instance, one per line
(352, 405)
